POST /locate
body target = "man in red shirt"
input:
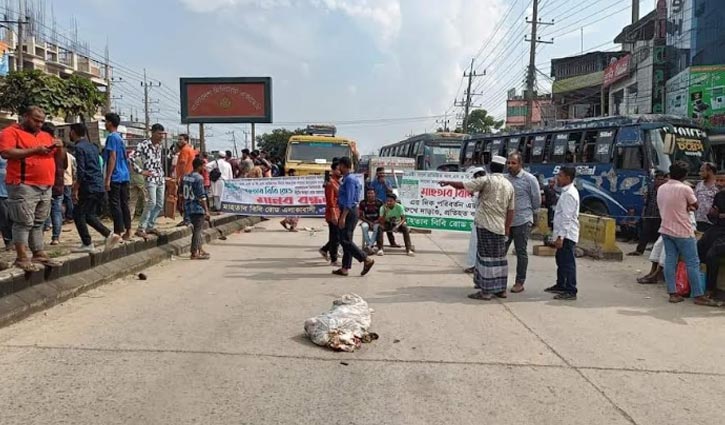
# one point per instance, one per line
(30, 177)
(184, 166)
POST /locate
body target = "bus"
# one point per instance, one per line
(615, 157)
(313, 152)
(429, 151)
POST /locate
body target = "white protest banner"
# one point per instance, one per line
(302, 196)
(430, 206)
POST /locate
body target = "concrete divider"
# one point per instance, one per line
(598, 237)
(22, 293)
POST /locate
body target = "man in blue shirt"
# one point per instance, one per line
(88, 191)
(117, 177)
(382, 189)
(348, 199)
(196, 207)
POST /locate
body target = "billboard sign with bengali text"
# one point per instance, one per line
(226, 100)
(430, 206)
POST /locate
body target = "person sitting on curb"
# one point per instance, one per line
(392, 219)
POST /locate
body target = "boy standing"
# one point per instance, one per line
(195, 203)
(566, 231)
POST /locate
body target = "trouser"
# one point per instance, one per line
(388, 228)
(118, 204)
(349, 249)
(216, 203)
(711, 249)
(472, 248)
(29, 208)
(55, 221)
(6, 225)
(566, 267)
(68, 202)
(650, 233)
(137, 199)
(519, 235)
(391, 239)
(687, 248)
(368, 239)
(154, 205)
(333, 241)
(86, 214)
(197, 239)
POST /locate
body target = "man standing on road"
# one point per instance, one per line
(566, 231)
(711, 246)
(246, 164)
(651, 220)
(117, 177)
(494, 215)
(676, 200)
(224, 172)
(473, 241)
(151, 155)
(332, 216)
(30, 176)
(348, 202)
(88, 192)
(184, 166)
(528, 202)
(196, 205)
(705, 192)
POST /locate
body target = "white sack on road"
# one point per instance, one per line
(344, 327)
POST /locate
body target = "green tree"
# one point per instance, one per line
(480, 122)
(66, 98)
(275, 143)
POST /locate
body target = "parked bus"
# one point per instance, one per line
(313, 152)
(615, 157)
(429, 151)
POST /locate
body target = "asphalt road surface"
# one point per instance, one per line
(221, 342)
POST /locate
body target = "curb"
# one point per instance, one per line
(83, 272)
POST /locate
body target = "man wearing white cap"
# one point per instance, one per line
(494, 214)
(217, 179)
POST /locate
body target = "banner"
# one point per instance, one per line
(430, 206)
(302, 196)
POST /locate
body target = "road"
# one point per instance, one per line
(222, 343)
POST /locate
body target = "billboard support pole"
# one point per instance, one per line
(202, 141)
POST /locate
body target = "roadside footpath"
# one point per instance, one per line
(23, 293)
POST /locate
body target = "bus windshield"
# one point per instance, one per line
(690, 147)
(317, 152)
(436, 156)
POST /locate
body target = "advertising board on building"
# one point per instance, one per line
(707, 95)
(226, 100)
(617, 70)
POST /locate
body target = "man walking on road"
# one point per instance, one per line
(117, 177)
(30, 176)
(348, 202)
(151, 155)
(566, 231)
(676, 200)
(88, 192)
(494, 215)
(332, 216)
(528, 202)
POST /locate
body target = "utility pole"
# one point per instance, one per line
(246, 139)
(147, 112)
(234, 141)
(467, 103)
(254, 137)
(635, 11)
(531, 74)
(109, 97)
(19, 54)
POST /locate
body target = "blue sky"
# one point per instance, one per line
(336, 60)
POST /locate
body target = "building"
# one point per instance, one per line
(517, 110)
(577, 90)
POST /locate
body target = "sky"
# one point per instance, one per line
(380, 69)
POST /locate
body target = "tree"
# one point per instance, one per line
(480, 122)
(275, 143)
(66, 98)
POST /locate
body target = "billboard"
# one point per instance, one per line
(617, 70)
(226, 100)
(707, 95)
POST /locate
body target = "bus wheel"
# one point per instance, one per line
(594, 207)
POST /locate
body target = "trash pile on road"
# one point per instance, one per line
(344, 327)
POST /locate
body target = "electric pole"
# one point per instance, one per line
(109, 97)
(635, 11)
(254, 135)
(19, 55)
(147, 112)
(531, 74)
(467, 103)
(234, 141)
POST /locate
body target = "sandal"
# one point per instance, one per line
(47, 261)
(481, 296)
(339, 272)
(707, 302)
(27, 266)
(501, 294)
(517, 288)
(204, 256)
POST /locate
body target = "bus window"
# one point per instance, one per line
(574, 153)
(589, 147)
(496, 145)
(416, 148)
(630, 158)
(538, 149)
(560, 151)
(512, 145)
(603, 150)
(478, 152)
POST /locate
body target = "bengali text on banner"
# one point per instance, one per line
(430, 206)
